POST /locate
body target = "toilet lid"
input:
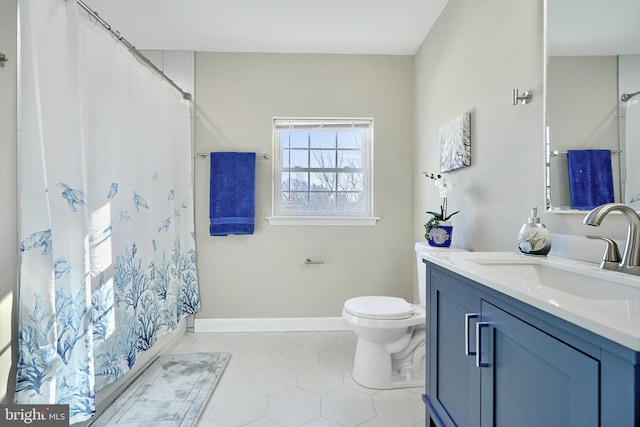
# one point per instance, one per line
(375, 307)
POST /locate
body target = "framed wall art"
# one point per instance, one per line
(455, 143)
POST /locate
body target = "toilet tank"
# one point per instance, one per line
(422, 277)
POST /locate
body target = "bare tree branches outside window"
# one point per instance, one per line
(323, 171)
(323, 167)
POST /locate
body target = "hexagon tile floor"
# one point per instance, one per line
(281, 379)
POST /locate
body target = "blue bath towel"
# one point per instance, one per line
(590, 178)
(232, 188)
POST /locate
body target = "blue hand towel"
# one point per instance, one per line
(590, 178)
(232, 188)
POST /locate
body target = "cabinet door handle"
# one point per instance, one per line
(467, 347)
(479, 327)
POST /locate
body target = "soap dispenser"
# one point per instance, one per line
(534, 237)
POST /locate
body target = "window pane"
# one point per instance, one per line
(299, 158)
(350, 202)
(284, 139)
(350, 159)
(285, 157)
(299, 139)
(295, 202)
(351, 182)
(322, 202)
(323, 181)
(323, 139)
(284, 182)
(295, 181)
(350, 139)
(325, 159)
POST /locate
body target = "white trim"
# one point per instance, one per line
(283, 324)
(324, 220)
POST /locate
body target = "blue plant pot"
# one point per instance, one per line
(440, 236)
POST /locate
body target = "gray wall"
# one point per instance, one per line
(474, 56)
(263, 275)
(8, 189)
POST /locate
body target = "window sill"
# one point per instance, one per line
(318, 220)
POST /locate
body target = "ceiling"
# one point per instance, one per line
(385, 27)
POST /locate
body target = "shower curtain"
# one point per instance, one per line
(106, 208)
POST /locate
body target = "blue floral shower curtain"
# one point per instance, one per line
(107, 245)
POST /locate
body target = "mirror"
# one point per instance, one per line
(592, 59)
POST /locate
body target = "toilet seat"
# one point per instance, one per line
(379, 308)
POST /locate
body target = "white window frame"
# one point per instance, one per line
(278, 217)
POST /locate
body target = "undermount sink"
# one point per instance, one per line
(590, 284)
(544, 276)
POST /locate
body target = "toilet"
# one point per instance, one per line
(390, 352)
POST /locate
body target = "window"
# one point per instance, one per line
(322, 171)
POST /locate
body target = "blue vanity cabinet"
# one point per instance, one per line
(529, 378)
(495, 361)
(453, 380)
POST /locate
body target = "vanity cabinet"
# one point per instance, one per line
(495, 361)
(530, 378)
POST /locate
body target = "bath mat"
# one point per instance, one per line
(171, 392)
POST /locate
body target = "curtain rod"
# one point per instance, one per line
(132, 48)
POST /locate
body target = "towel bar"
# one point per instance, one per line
(308, 261)
(564, 153)
(265, 156)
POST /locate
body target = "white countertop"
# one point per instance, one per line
(609, 305)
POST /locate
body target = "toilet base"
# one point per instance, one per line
(373, 367)
(397, 381)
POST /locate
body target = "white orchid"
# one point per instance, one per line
(445, 188)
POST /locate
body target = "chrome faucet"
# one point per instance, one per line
(630, 262)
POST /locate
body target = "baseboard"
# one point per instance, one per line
(281, 324)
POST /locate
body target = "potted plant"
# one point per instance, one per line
(438, 229)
